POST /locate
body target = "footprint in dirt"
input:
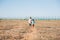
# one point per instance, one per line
(31, 29)
(31, 35)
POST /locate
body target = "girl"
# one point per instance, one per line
(33, 22)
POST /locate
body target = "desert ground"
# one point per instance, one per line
(20, 30)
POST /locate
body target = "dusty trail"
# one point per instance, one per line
(32, 34)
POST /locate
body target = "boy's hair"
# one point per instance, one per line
(30, 17)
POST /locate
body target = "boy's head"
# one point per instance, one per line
(30, 18)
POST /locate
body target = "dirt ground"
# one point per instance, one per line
(20, 30)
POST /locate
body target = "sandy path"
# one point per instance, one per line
(32, 34)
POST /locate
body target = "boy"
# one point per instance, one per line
(30, 21)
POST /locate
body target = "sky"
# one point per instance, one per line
(27, 8)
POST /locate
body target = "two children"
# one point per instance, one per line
(31, 22)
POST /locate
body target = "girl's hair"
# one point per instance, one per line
(32, 19)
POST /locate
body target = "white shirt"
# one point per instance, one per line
(30, 20)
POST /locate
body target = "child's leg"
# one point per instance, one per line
(29, 24)
(33, 25)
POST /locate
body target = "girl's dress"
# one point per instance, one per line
(33, 22)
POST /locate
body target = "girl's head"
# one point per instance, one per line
(32, 19)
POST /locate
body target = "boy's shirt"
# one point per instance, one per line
(30, 20)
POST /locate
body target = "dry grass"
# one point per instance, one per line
(20, 30)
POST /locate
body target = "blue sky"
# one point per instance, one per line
(26, 8)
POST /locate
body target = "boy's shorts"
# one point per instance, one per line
(29, 24)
